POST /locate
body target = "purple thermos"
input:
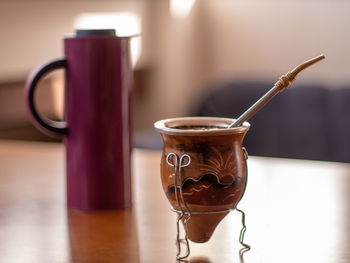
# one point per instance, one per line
(97, 118)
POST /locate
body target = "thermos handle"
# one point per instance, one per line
(53, 128)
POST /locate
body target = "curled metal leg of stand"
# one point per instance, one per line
(185, 239)
(246, 247)
(242, 233)
(179, 163)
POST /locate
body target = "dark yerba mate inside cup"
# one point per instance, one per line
(198, 127)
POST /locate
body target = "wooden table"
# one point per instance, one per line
(296, 211)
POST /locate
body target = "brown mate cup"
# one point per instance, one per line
(211, 176)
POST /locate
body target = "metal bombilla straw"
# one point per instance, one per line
(282, 84)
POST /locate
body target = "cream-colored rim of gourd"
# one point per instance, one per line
(168, 126)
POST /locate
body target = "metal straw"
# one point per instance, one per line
(282, 84)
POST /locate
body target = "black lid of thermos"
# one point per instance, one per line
(94, 32)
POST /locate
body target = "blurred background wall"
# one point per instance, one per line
(187, 48)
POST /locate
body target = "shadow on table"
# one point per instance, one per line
(197, 260)
(242, 251)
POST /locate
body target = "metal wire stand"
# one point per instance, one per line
(184, 213)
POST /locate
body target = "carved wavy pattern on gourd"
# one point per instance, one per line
(219, 182)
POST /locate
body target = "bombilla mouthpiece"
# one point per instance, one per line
(283, 83)
(286, 80)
